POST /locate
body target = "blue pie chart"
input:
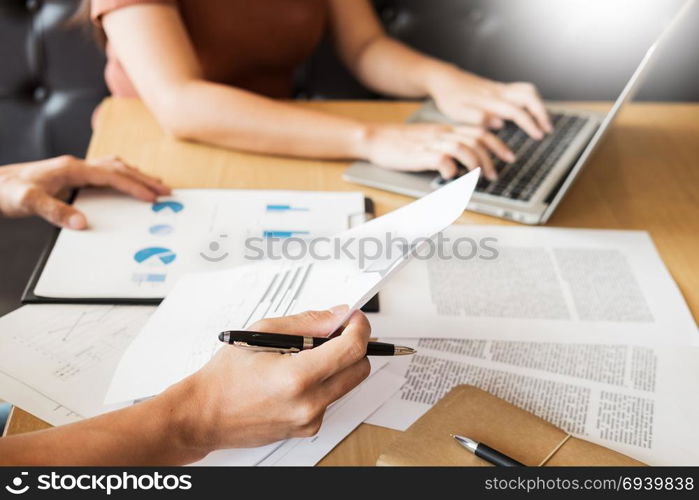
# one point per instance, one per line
(175, 206)
(165, 255)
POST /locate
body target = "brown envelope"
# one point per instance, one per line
(476, 414)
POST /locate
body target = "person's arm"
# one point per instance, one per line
(143, 434)
(239, 399)
(390, 67)
(153, 46)
(33, 188)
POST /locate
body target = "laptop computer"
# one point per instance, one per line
(530, 189)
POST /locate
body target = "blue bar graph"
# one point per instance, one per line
(149, 277)
(282, 234)
(285, 208)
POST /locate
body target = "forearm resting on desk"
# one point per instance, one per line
(154, 48)
(225, 116)
(148, 433)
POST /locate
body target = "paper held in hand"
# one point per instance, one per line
(181, 336)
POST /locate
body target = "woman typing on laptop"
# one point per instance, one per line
(214, 71)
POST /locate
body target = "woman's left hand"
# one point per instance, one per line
(32, 188)
(467, 98)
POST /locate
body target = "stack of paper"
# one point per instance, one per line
(584, 328)
(58, 361)
(184, 330)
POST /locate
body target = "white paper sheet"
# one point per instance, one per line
(31, 400)
(56, 361)
(539, 284)
(138, 250)
(355, 279)
(184, 330)
(637, 400)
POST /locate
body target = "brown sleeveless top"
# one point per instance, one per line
(250, 44)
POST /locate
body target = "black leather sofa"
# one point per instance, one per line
(50, 82)
(51, 74)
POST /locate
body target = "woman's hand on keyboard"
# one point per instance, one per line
(468, 98)
(415, 147)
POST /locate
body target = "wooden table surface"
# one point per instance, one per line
(644, 176)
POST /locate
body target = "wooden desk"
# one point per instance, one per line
(644, 176)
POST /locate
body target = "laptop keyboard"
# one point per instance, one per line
(535, 159)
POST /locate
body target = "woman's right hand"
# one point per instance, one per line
(243, 398)
(415, 147)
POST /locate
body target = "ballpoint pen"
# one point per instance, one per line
(486, 452)
(279, 342)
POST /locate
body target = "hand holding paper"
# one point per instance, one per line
(182, 334)
(253, 398)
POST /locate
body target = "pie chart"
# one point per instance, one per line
(174, 206)
(164, 255)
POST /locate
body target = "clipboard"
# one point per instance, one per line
(30, 297)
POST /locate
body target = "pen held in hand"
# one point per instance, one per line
(282, 343)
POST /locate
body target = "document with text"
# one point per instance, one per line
(538, 284)
(637, 400)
